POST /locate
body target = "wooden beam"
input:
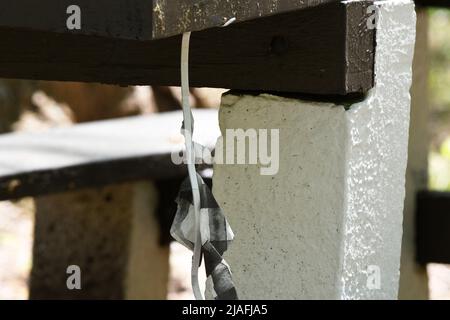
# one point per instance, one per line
(125, 19)
(172, 17)
(325, 49)
(140, 19)
(433, 3)
(433, 227)
(98, 153)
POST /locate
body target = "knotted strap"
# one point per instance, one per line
(216, 235)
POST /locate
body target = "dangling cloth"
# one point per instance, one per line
(199, 223)
(216, 235)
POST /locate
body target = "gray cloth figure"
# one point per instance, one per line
(216, 235)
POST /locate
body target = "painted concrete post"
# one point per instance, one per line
(413, 277)
(110, 233)
(329, 223)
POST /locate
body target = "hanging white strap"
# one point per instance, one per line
(190, 153)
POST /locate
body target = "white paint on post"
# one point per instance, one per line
(288, 226)
(329, 224)
(377, 157)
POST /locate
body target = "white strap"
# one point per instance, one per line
(190, 153)
(188, 125)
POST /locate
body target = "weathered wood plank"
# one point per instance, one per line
(172, 17)
(359, 39)
(126, 19)
(433, 227)
(303, 51)
(140, 19)
(98, 153)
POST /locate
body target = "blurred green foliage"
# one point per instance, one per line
(439, 40)
(439, 86)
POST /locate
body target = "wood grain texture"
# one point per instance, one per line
(360, 48)
(120, 19)
(172, 17)
(324, 49)
(98, 153)
(140, 19)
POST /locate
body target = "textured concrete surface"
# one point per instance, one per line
(290, 237)
(111, 233)
(377, 157)
(333, 213)
(413, 277)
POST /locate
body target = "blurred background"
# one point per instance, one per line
(38, 105)
(439, 128)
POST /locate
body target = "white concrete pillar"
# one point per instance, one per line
(329, 223)
(413, 278)
(110, 233)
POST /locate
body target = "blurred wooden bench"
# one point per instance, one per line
(98, 153)
(104, 201)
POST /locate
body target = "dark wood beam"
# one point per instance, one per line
(322, 49)
(433, 227)
(140, 19)
(126, 19)
(433, 3)
(172, 17)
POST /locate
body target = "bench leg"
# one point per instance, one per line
(111, 233)
(329, 223)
